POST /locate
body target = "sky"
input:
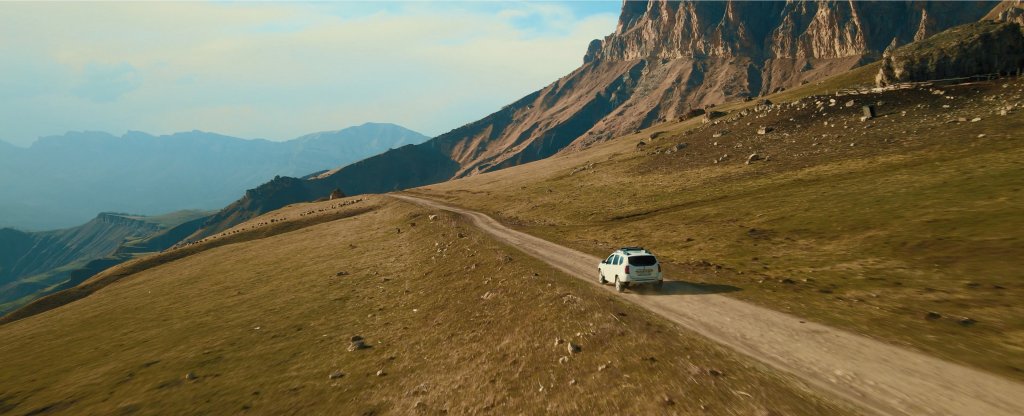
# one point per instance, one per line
(278, 70)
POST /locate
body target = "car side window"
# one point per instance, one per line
(610, 259)
(618, 260)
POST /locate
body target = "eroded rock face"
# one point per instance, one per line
(775, 29)
(1008, 11)
(783, 41)
(698, 53)
(980, 48)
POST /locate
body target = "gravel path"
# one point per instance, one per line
(876, 377)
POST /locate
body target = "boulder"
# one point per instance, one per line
(869, 112)
(357, 343)
(979, 48)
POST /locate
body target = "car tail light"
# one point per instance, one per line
(627, 269)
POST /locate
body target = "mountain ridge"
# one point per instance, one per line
(148, 174)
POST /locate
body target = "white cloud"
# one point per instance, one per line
(276, 70)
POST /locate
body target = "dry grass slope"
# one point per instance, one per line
(456, 324)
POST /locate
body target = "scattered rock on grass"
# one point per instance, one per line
(335, 375)
(932, 316)
(573, 348)
(357, 343)
(190, 376)
(965, 321)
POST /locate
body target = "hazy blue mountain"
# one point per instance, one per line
(62, 181)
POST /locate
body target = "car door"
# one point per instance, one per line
(616, 269)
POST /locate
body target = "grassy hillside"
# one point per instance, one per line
(906, 227)
(455, 323)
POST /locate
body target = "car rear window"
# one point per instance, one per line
(642, 261)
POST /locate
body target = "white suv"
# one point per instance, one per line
(628, 266)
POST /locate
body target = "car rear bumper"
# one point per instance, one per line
(654, 278)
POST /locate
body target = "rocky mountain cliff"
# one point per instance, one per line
(663, 60)
(666, 58)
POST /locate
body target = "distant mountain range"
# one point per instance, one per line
(63, 181)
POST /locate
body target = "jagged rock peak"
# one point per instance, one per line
(774, 29)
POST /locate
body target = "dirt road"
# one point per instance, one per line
(876, 377)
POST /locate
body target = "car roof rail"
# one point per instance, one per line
(633, 248)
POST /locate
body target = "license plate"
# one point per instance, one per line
(643, 272)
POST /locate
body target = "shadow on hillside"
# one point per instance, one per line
(676, 287)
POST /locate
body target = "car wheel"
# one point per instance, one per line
(658, 285)
(600, 278)
(619, 286)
